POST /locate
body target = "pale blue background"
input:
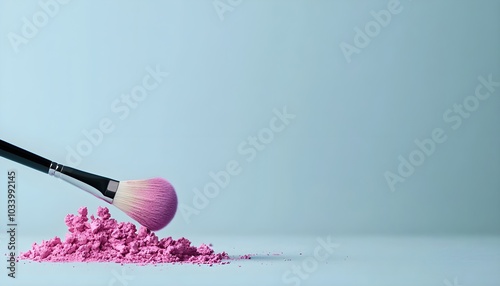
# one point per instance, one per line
(324, 174)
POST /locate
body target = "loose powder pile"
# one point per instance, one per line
(103, 239)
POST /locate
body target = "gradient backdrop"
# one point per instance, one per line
(180, 89)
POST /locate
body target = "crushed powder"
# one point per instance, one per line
(103, 239)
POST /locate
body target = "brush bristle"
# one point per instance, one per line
(152, 202)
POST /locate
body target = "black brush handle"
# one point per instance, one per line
(94, 184)
(24, 157)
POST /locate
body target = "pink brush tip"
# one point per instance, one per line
(152, 202)
(168, 205)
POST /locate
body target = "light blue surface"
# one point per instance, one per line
(358, 261)
(216, 79)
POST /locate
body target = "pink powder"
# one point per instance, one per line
(103, 239)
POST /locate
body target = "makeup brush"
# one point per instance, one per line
(151, 202)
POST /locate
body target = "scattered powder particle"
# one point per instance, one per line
(103, 239)
(246, 256)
